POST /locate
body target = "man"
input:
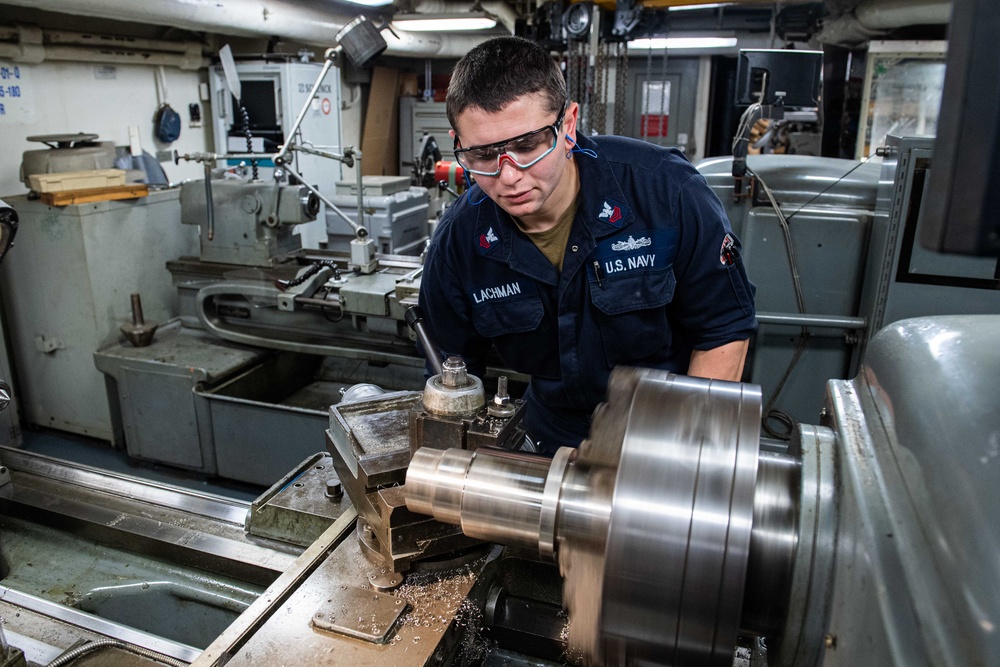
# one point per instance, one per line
(573, 255)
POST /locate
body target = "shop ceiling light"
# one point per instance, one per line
(707, 5)
(370, 3)
(443, 22)
(670, 43)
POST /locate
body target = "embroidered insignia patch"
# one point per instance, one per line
(613, 213)
(632, 244)
(727, 254)
(486, 241)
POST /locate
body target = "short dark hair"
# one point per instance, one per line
(500, 70)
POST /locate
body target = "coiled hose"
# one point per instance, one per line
(72, 655)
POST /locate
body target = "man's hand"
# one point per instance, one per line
(721, 363)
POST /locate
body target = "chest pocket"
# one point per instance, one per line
(498, 318)
(631, 310)
(519, 334)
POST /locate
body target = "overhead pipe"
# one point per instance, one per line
(309, 23)
(872, 18)
(890, 14)
(499, 10)
(119, 42)
(430, 44)
(82, 54)
(34, 45)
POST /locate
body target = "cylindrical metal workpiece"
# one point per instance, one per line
(494, 495)
(677, 544)
(773, 543)
(434, 483)
(654, 521)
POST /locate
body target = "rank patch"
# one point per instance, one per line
(613, 213)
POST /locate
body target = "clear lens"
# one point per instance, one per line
(524, 151)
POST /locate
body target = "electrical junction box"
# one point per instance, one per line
(397, 221)
(273, 95)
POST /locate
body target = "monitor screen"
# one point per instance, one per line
(260, 103)
(795, 77)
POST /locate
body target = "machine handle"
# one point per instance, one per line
(415, 318)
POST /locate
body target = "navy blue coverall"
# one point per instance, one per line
(652, 271)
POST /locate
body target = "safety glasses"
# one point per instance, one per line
(523, 150)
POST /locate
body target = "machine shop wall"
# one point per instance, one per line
(105, 98)
(102, 99)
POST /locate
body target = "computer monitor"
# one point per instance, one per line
(795, 77)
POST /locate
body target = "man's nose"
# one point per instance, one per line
(509, 171)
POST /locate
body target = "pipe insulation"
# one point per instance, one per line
(871, 18)
(890, 14)
(30, 44)
(307, 22)
(38, 54)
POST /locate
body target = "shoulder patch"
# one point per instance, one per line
(487, 242)
(614, 213)
(728, 252)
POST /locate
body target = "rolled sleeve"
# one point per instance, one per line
(715, 299)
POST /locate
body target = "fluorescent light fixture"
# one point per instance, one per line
(443, 22)
(668, 43)
(707, 5)
(370, 3)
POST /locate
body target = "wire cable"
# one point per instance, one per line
(831, 186)
(769, 412)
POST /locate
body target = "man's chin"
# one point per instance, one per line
(519, 209)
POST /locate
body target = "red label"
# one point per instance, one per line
(654, 125)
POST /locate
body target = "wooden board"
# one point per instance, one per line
(131, 191)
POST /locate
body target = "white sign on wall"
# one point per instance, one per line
(17, 96)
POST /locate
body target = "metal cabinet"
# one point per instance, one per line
(66, 292)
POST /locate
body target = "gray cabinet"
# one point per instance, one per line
(66, 291)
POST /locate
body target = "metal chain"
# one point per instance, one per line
(600, 91)
(644, 101)
(577, 69)
(249, 137)
(588, 87)
(664, 111)
(621, 87)
(570, 93)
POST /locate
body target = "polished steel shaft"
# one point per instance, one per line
(495, 496)
(658, 522)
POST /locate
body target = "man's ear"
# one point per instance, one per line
(451, 133)
(569, 123)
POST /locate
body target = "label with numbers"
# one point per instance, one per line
(17, 95)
